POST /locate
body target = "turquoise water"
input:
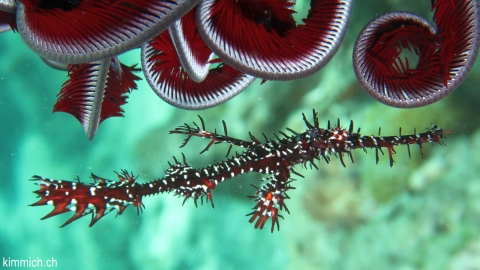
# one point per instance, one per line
(420, 214)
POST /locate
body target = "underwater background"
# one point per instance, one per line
(418, 214)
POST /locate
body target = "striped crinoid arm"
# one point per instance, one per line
(96, 91)
(98, 198)
(270, 199)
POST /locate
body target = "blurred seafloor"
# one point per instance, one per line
(420, 214)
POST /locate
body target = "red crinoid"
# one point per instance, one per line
(199, 56)
(89, 35)
(265, 40)
(177, 63)
(187, 66)
(7, 16)
(86, 31)
(95, 92)
(446, 52)
(258, 38)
